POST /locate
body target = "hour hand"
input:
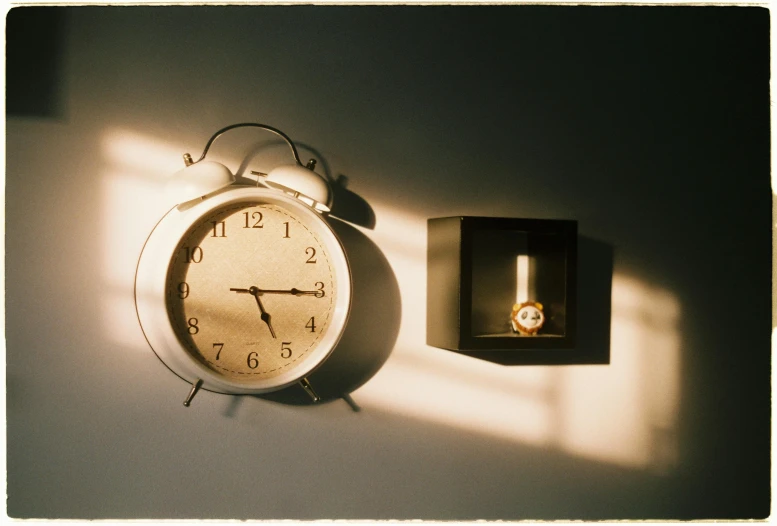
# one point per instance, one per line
(265, 316)
(255, 292)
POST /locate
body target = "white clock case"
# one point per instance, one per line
(151, 276)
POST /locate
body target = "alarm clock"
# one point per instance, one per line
(244, 288)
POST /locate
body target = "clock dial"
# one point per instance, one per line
(251, 291)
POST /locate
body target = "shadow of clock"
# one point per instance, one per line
(371, 331)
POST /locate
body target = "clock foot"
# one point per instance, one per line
(353, 405)
(309, 389)
(195, 387)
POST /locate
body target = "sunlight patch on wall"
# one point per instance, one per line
(440, 386)
(472, 395)
(402, 239)
(147, 156)
(129, 203)
(135, 172)
(624, 413)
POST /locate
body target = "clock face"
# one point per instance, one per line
(251, 290)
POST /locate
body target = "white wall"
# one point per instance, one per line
(647, 126)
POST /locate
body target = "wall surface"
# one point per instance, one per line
(649, 126)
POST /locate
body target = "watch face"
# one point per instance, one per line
(527, 318)
(251, 290)
(530, 317)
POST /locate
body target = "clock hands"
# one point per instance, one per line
(256, 292)
(265, 316)
(292, 291)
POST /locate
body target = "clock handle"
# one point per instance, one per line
(276, 131)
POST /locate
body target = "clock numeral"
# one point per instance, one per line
(285, 351)
(193, 328)
(312, 252)
(320, 289)
(218, 346)
(219, 232)
(287, 229)
(183, 290)
(193, 255)
(253, 216)
(311, 324)
(252, 361)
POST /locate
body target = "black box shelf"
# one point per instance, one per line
(480, 267)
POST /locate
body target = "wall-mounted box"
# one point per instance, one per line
(480, 267)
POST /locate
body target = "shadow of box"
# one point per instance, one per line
(479, 267)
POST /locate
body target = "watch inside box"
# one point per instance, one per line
(518, 284)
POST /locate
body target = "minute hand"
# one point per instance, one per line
(294, 291)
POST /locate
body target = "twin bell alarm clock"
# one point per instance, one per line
(244, 288)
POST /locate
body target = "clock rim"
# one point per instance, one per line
(151, 278)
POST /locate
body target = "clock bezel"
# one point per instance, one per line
(154, 266)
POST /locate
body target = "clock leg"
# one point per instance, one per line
(309, 389)
(195, 387)
(353, 405)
